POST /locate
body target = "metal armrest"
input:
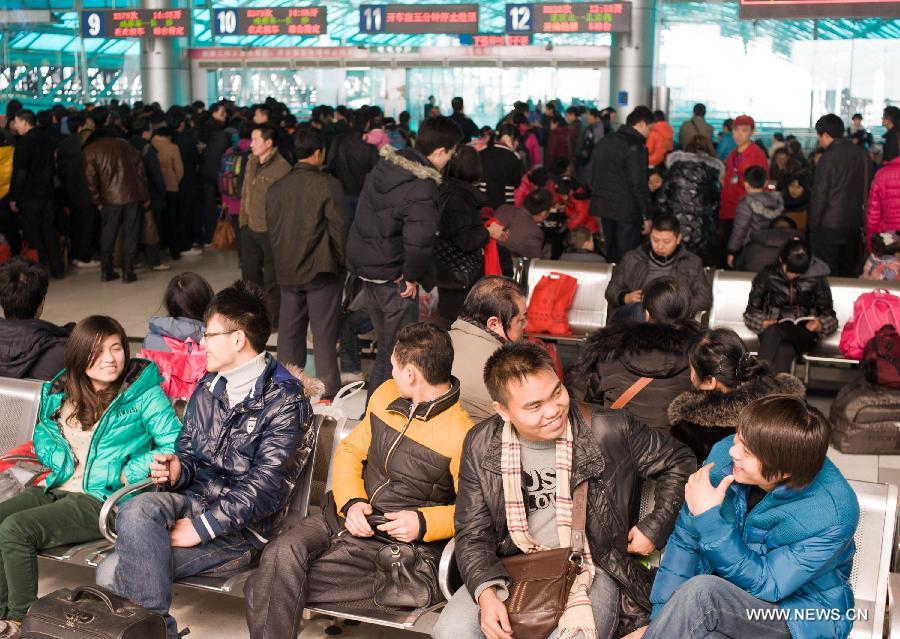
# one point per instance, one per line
(444, 569)
(21, 459)
(893, 605)
(112, 501)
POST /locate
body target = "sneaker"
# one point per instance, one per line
(192, 252)
(9, 629)
(352, 376)
(161, 267)
(91, 264)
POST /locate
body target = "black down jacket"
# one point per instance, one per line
(613, 454)
(616, 356)
(619, 177)
(243, 461)
(350, 159)
(691, 194)
(32, 349)
(396, 218)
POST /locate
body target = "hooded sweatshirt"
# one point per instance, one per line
(177, 328)
(32, 349)
(754, 213)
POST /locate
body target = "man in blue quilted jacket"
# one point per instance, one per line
(763, 546)
(246, 439)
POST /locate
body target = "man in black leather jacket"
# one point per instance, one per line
(613, 454)
(245, 441)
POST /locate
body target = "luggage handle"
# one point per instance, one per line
(80, 591)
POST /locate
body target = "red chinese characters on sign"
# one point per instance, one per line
(410, 18)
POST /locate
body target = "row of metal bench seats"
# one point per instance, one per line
(871, 579)
(730, 291)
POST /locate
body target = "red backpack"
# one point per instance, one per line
(181, 369)
(881, 358)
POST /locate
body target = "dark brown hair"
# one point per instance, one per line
(428, 348)
(787, 436)
(84, 346)
(514, 362)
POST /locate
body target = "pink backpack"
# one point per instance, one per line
(181, 369)
(871, 311)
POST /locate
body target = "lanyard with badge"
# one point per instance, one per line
(735, 175)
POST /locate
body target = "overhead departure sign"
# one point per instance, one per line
(752, 9)
(136, 23)
(302, 21)
(569, 17)
(418, 18)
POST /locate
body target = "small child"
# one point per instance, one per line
(580, 246)
(884, 262)
(756, 211)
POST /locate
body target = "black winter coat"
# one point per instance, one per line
(32, 174)
(691, 194)
(156, 184)
(773, 297)
(614, 357)
(619, 177)
(243, 461)
(501, 174)
(700, 419)
(217, 140)
(350, 159)
(613, 454)
(396, 218)
(892, 144)
(70, 164)
(839, 187)
(461, 225)
(765, 247)
(32, 349)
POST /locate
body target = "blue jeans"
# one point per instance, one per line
(628, 312)
(709, 606)
(144, 564)
(389, 313)
(461, 618)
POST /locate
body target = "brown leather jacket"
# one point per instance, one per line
(114, 171)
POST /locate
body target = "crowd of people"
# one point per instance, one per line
(471, 431)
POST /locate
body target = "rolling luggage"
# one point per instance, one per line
(865, 419)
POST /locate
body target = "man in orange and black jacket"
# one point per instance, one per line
(399, 465)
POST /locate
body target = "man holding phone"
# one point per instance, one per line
(390, 241)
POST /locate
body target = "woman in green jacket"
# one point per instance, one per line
(100, 421)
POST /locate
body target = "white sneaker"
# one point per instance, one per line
(91, 264)
(192, 252)
(161, 267)
(352, 376)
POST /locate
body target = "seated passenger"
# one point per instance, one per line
(400, 464)
(619, 360)
(790, 306)
(767, 524)
(30, 348)
(525, 237)
(246, 439)
(766, 244)
(186, 298)
(726, 378)
(664, 257)
(519, 471)
(580, 246)
(99, 424)
(492, 315)
(756, 211)
(884, 262)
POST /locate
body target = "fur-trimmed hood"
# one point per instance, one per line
(412, 162)
(312, 386)
(646, 349)
(714, 409)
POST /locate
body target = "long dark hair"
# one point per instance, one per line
(720, 353)
(82, 349)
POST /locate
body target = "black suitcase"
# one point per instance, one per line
(90, 612)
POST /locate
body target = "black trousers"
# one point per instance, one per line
(189, 203)
(210, 193)
(258, 266)
(40, 230)
(129, 217)
(780, 344)
(619, 238)
(450, 303)
(318, 304)
(84, 231)
(9, 226)
(839, 249)
(307, 563)
(173, 233)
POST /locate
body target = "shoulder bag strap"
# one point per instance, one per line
(631, 392)
(579, 515)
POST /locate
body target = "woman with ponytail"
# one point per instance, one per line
(726, 378)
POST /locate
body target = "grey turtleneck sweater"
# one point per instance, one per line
(239, 381)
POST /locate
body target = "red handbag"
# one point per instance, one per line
(549, 304)
(181, 369)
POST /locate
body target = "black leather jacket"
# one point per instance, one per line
(243, 461)
(773, 297)
(613, 454)
(839, 188)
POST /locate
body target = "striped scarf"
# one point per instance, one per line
(578, 615)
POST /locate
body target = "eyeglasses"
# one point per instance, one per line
(206, 336)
